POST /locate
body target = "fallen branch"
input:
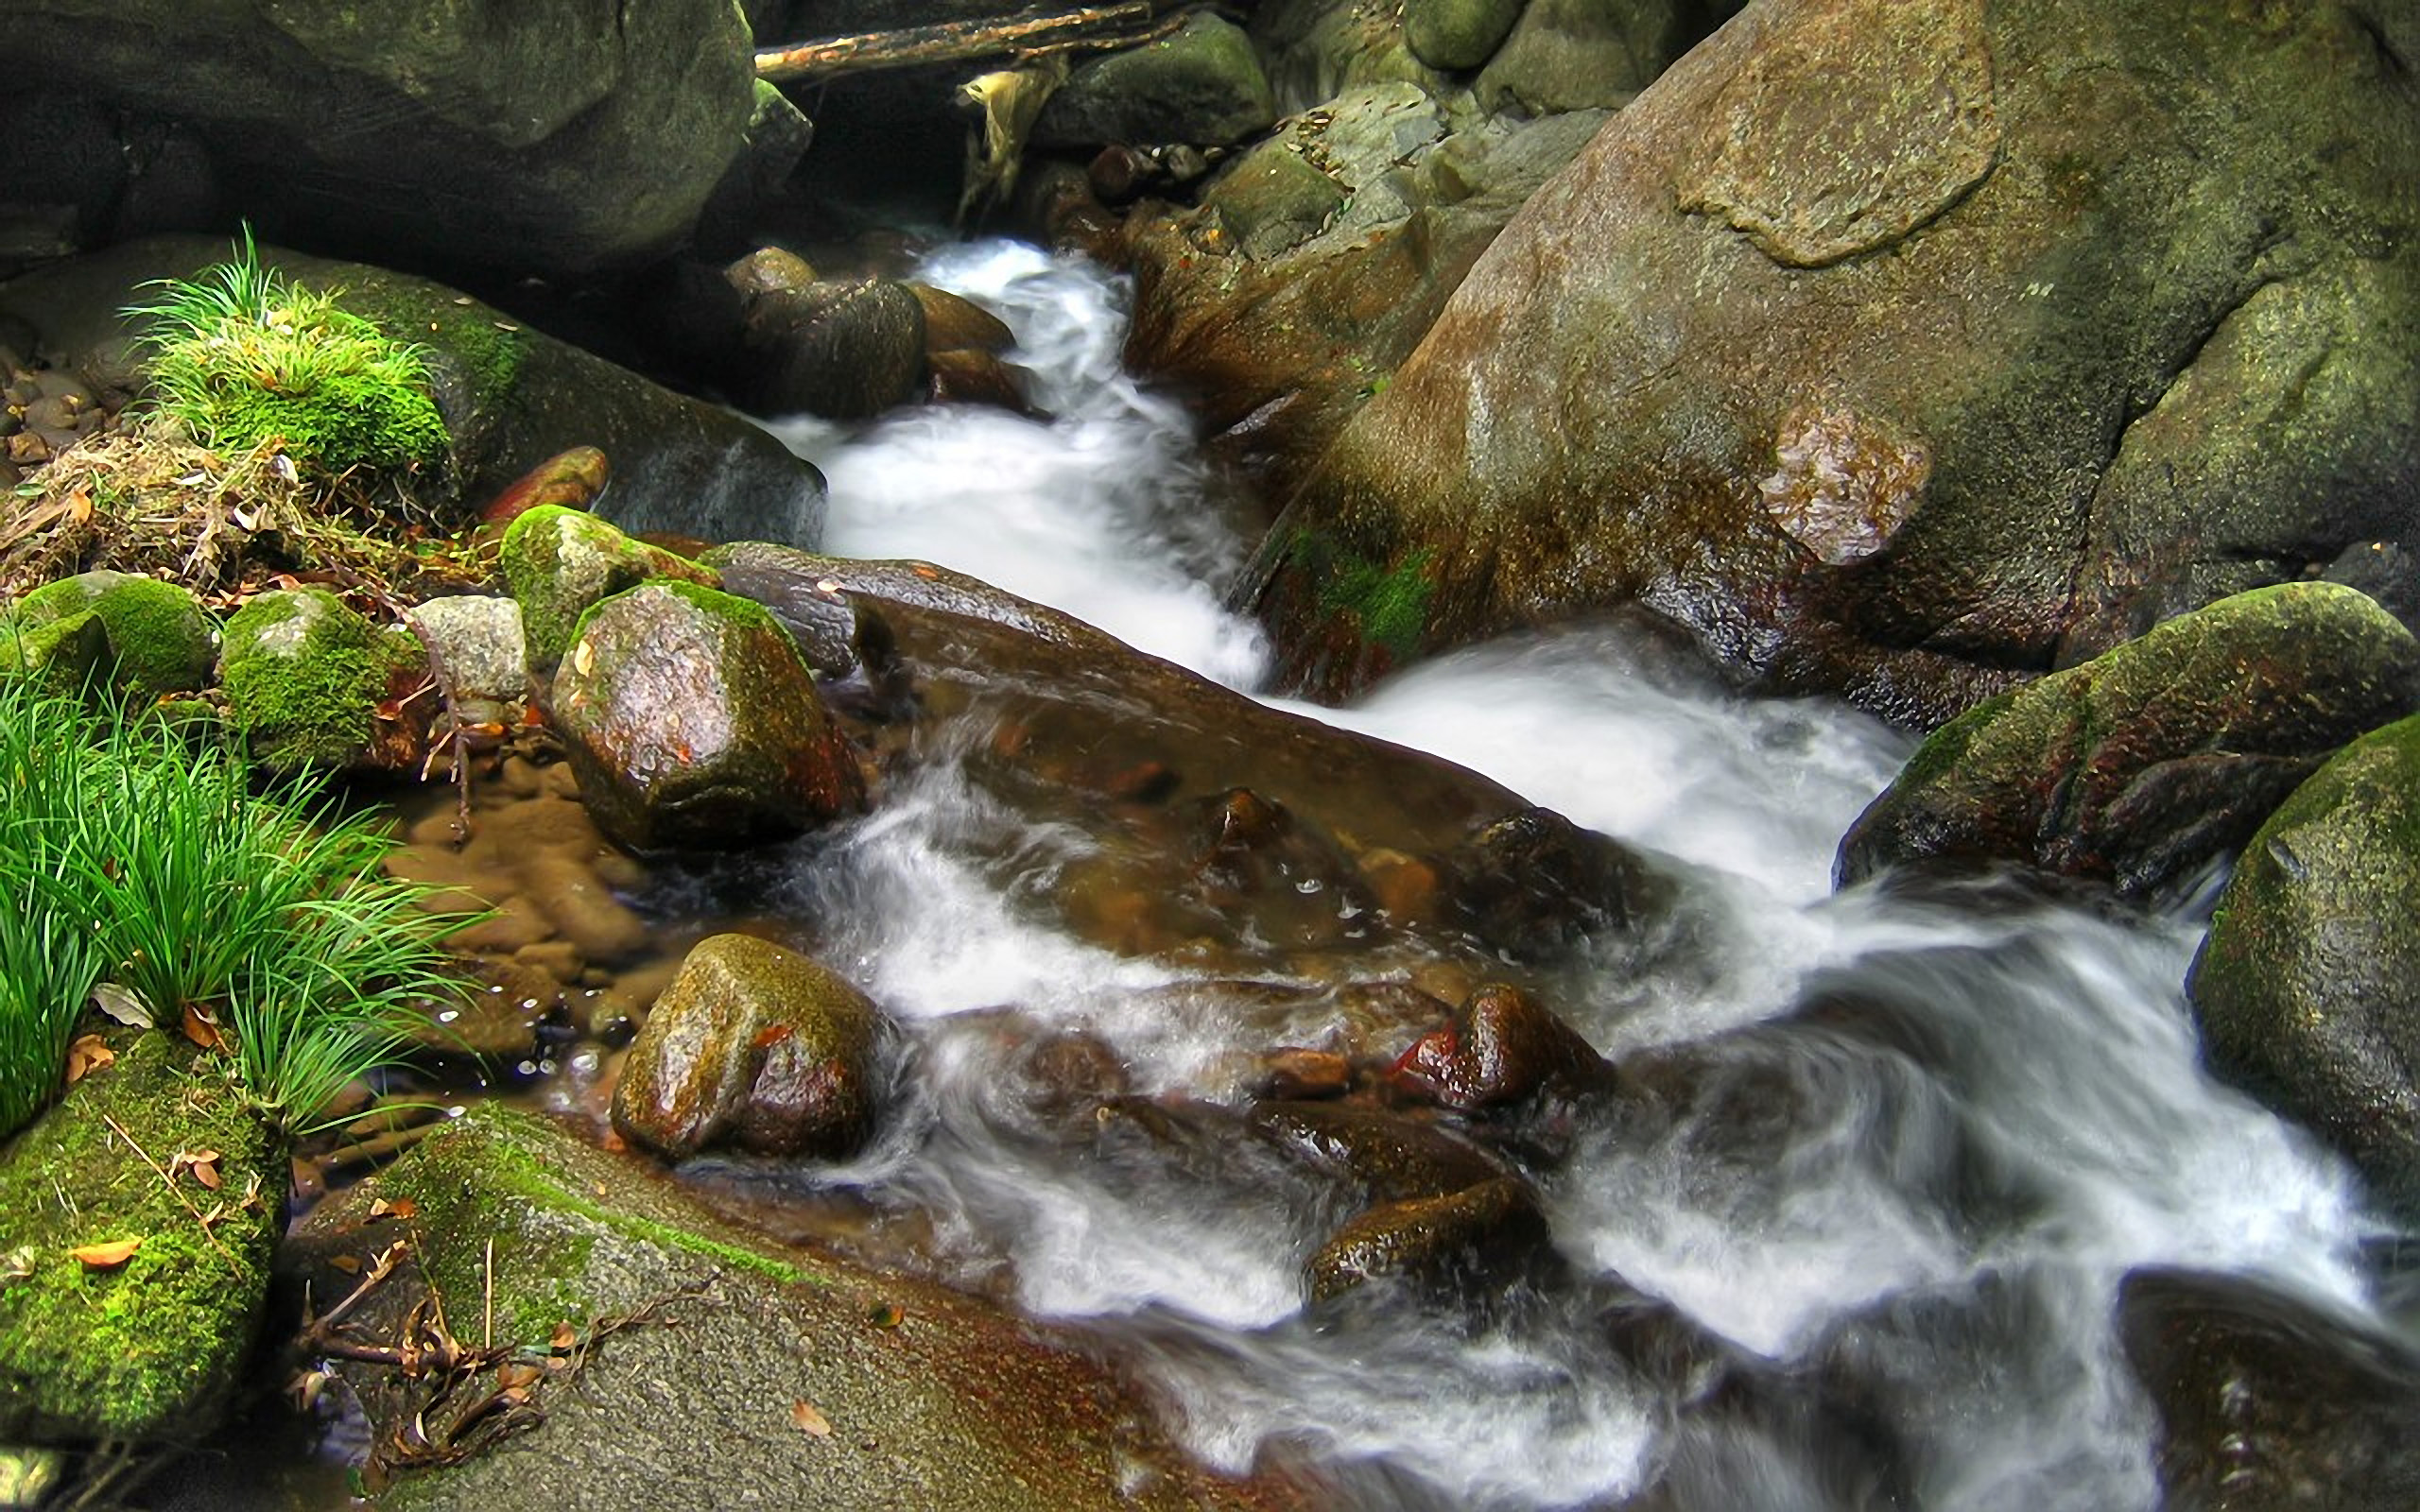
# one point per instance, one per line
(951, 41)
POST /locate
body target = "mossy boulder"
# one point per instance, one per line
(931, 1397)
(148, 1349)
(2308, 987)
(1200, 85)
(548, 137)
(752, 1045)
(304, 675)
(2142, 767)
(510, 397)
(1907, 351)
(561, 563)
(159, 637)
(690, 720)
(1457, 35)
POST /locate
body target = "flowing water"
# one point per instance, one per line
(1925, 1136)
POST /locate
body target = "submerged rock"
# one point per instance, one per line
(1502, 1048)
(2268, 1403)
(2307, 987)
(751, 1045)
(691, 721)
(1905, 351)
(2147, 765)
(1466, 1245)
(852, 1390)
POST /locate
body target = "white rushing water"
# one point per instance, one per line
(1945, 1216)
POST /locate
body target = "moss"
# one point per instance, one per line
(150, 1349)
(1390, 603)
(303, 679)
(65, 654)
(160, 639)
(560, 562)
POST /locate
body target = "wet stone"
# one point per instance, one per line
(1464, 1246)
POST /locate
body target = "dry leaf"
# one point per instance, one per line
(122, 1006)
(80, 506)
(200, 1028)
(206, 1172)
(395, 1207)
(108, 1255)
(809, 1421)
(886, 1314)
(350, 1264)
(566, 1338)
(87, 1055)
(515, 1375)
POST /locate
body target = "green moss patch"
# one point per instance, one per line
(303, 679)
(560, 562)
(150, 1349)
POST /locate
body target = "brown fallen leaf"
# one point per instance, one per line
(886, 1314)
(350, 1264)
(87, 1055)
(106, 1256)
(200, 1028)
(566, 1340)
(395, 1207)
(518, 1375)
(804, 1416)
(202, 1163)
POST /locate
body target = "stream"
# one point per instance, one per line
(1876, 1245)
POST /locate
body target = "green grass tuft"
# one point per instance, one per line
(243, 357)
(267, 913)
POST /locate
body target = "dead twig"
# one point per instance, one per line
(170, 1182)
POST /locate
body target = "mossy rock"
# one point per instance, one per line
(2307, 987)
(691, 721)
(65, 656)
(304, 676)
(160, 639)
(149, 1350)
(561, 563)
(932, 1399)
(1200, 84)
(1458, 34)
(2140, 768)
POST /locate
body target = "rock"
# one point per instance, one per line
(1316, 263)
(691, 722)
(1533, 886)
(1502, 1048)
(751, 1045)
(1889, 368)
(510, 397)
(2267, 1402)
(970, 377)
(1383, 1155)
(572, 479)
(955, 323)
(2307, 987)
(845, 640)
(303, 676)
(1571, 55)
(557, 138)
(2144, 766)
(479, 642)
(1457, 35)
(840, 349)
(1200, 85)
(159, 637)
(560, 563)
(1468, 1245)
(147, 1350)
(931, 1398)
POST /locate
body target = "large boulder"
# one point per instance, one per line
(1908, 350)
(1569, 55)
(850, 1389)
(753, 1046)
(538, 136)
(2144, 766)
(510, 397)
(691, 721)
(160, 640)
(2309, 985)
(1315, 263)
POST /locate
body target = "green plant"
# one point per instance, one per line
(246, 358)
(264, 913)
